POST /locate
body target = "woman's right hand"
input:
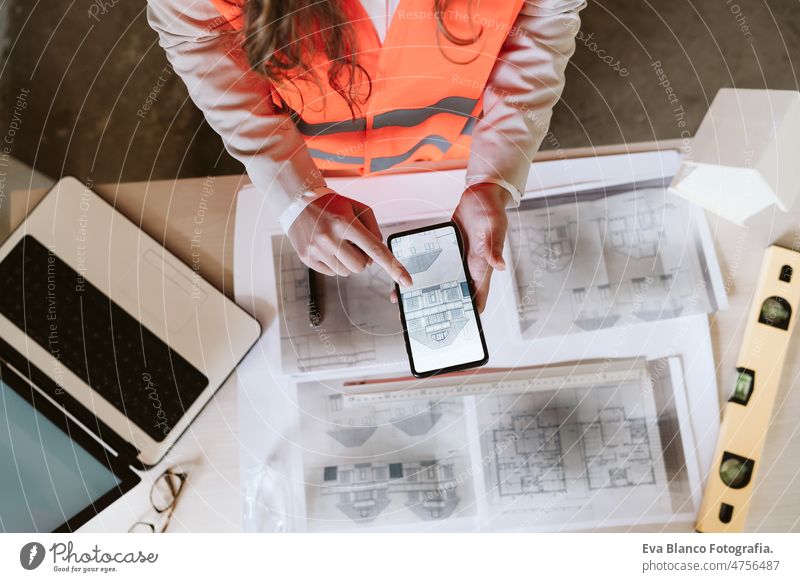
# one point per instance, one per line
(337, 235)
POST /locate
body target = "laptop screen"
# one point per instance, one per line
(96, 339)
(46, 477)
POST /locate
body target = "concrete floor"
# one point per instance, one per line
(87, 77)
(701, 45)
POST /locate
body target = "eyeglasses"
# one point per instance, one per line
(164, 496)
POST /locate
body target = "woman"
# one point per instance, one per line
(296, 88)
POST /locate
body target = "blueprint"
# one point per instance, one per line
(576, 457)
(570, 447)
(285, 420)
(375, 465)
(631, 257)
(360, 327)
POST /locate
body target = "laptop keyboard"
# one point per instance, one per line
(96, 339)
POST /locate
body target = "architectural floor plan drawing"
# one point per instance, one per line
(579, 455)
(534, 444)
(570, 447)
(627, 258)
(360, 327)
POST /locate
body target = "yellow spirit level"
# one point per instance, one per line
(758, 373)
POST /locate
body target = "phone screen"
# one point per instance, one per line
(442, 328)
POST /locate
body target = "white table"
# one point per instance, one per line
(213, 501)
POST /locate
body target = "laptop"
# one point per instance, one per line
(109, 348)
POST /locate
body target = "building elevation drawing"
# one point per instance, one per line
(384, 464)
(352, 427)
(363, 490)
(629, 258)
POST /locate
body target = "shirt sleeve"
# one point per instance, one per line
(201, 46)
(524, 85)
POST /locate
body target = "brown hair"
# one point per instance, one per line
(280, 36)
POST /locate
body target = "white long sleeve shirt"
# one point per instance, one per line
(524, 85)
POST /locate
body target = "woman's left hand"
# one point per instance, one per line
(481, 218)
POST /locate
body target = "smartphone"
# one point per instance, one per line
(441, 325)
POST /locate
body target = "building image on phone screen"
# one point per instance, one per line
(438, 310)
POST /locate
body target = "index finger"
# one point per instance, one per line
(359, 235)
(481, 274)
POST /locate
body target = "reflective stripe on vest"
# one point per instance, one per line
(329, 157)
(379, 164)
(330, 127)
(460, 106)
(424, 94)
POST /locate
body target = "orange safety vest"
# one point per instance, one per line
(426, 92)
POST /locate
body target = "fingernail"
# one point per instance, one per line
(406, 281)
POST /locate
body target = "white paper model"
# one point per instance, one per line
(744, 155)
